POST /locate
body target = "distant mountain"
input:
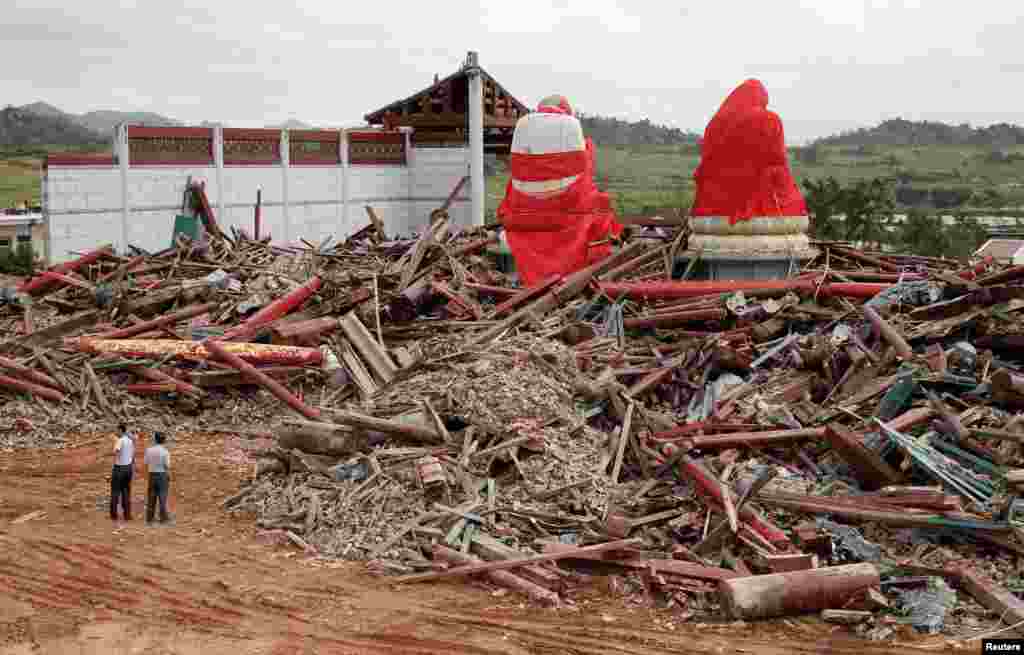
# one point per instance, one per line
(105, 120)
(44, 109)
(607, 131)
(101, 122)
(19, 127)
(900, 132)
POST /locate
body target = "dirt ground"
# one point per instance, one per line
(72, 581)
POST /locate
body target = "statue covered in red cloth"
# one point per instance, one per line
(556, 220)
(746, 197)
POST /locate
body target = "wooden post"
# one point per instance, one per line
(889, 333)
(709, 487)
(156, 375)
(505, 565)
(627, 424)
(273, 386)
(764, 439)
(405, 430)
(42, 283)
(379, 361)
(30, 375)
(872, 471)
(167, 319)
(798, 592)
(197, 350)
(275, 310)
(503, 578)
(320, 438)
(39, 390)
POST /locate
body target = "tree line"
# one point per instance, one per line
(864, 212)
(901, 132)
(609, 131)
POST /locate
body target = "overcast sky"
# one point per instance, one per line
(829, 65)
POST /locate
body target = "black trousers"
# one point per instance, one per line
(121, 490)
(157, 491)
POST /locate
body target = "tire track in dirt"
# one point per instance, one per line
(208, 579)
(576, 635)
(78, 577)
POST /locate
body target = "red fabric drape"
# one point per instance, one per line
(552, 236)
(743, 170)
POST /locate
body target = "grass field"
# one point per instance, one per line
(19, 181)
(644, 178)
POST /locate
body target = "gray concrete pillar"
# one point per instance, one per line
(478, 187)
(123, 161)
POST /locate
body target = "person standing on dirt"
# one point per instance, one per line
(158, 464)
(121, 475)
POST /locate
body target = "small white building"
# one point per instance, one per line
(1004, 251)
(23, 227)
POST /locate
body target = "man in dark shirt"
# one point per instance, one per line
(121, 474)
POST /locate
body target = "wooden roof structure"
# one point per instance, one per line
(439, 114)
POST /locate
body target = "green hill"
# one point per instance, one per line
(608, 131)
(900, 132)
(20, 128)
(103, 121)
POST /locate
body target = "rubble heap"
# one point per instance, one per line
(847, 435)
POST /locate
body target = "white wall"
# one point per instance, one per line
(437, 170)
(239, 199)
(83, 204)
(155, 195)
(82, 208)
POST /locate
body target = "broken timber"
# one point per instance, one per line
(516, 563)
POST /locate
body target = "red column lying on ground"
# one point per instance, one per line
(168, 319)
(37, 389)
(312, 329)
(29, 374)
(196, 350)
(159, 377)
(62, 278)
(275, 310)
(676, 318)
(977, 269)
(273, 386)
(147, 388)
(42, 283)
(712, 490)
(671, 290)
(526, 294)
(1002, 277)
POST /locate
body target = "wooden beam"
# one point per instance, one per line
(516, 563)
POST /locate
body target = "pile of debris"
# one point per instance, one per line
(841, 441)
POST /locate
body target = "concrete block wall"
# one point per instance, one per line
(155, 195)
(439, 169)
(238, 200)
(82, 208)
(386, 189)
(84, 204)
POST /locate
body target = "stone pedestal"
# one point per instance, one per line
(759, 248)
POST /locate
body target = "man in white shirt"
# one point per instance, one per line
(121, 475)
(158, 464)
